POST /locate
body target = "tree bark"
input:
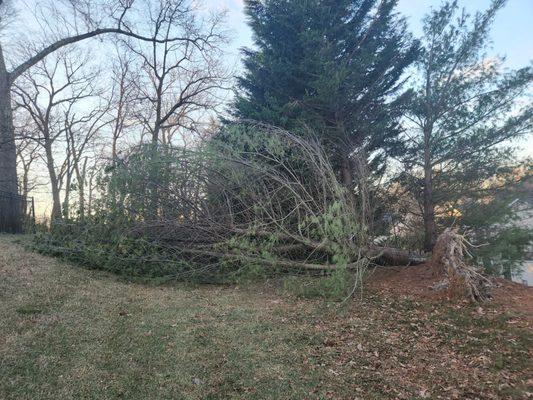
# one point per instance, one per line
(90, 194)
(54, 183)
(80, 178)
(8, 153)
(430, 229)
(346, 172)
(24, 189)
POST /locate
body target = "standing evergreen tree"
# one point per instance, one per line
(331, 67)
(465, 111)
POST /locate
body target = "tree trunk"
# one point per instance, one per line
(24, 188)
(80, 177)
(66, 201)
(8, 154)
(154, 167)
(90, 199)
(430, 229)
(346, 172)
(56, 200)
(362, 182)
(114, 155)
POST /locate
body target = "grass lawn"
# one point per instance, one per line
(71, 333)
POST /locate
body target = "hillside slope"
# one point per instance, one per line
(72, 333)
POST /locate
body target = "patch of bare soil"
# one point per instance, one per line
(417, 281)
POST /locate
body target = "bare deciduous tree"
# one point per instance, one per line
(50, 95)
(27, 153)
(180, 81)
(75, 21)
(121, 97)
(81, 130)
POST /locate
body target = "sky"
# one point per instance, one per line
(512, 31)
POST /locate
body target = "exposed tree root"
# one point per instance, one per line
(449, 260)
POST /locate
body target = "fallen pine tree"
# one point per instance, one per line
(252, 197)
(202, 237)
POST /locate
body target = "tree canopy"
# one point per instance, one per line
(465, 111)
(335, 66)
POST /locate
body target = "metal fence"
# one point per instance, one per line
(17, 213)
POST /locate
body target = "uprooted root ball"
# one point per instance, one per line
(459, 277)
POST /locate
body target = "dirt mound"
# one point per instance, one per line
(417, 281)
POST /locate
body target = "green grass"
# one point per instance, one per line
(71, 333)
